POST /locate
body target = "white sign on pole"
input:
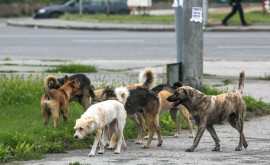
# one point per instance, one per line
(177, 3)
(139, 3)
(196, 14)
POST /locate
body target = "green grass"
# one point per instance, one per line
(255, 17)
(121, 18)
(227, 82)
(21, 124)
(266, 77)
(117, 70)
(72, 68)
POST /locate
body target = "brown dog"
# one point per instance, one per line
(55, 101)
(164, 91)
(209, 110)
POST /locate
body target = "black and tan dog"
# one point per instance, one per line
(84, 91)
(209, 110)
(144, 102)
(164, 91)
(55, 101)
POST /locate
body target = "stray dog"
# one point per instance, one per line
(144, 102)
(55, 101)
(209, 110)
(165, 91)
(107, 114)
(147, 78)
(85, 85)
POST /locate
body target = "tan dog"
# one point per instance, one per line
(209, 110)
(55, 101)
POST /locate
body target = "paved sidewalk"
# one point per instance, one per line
(257, 132)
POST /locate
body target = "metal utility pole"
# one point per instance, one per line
(81, 7)
(192, 46)
(178, 17)
(205, 12)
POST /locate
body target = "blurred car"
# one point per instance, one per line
(89, 6)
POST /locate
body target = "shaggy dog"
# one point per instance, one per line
(55, 101)
(85, 85)
(107, 114)
(144, 102)
(163, 92)
(209, 110)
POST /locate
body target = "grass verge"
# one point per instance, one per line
(255, 17)
(266, 77)
(72, 68)
(21, 124)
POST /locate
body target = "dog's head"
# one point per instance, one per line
(74, 85)
(83, 127)
(108, 94)
(180, 95)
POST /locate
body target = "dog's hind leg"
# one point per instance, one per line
(121, 138)
(55, 114)
(139, 120)
(112, 141)
(97, 139)
(173, 113)
(158, 131)
(185, 114)
(237, 122)
(212, 132)
(84, 101)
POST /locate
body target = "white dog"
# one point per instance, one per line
(107, 114)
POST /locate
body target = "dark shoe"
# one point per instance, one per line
(224, 23)
(245, 24)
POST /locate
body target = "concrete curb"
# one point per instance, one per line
(130, 26)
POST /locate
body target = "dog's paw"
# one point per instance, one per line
(100, 152)
(117, 152)
(189, 150)
(91, 155)
(146, 137)
(144, 147)
(155, 137)
(216, 149)
(191, 135)
(238, 149)
(110, 148)
(245, 144)
(177, 135)
(159, 144)
(139, 142)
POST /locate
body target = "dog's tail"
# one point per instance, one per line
(50, 82)
(147, 77)
(122, 94)
(241, 82)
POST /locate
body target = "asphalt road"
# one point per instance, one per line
(29, 43)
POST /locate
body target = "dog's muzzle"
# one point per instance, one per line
(76, 136)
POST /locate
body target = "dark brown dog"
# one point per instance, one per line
(56, 101)
(209, 110)
(144, 102)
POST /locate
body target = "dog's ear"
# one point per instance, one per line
(189, 93)
(89, 121)
(74, 82)
(66, 79)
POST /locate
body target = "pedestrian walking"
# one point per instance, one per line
(236, 5)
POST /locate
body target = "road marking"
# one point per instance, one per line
(244, 47)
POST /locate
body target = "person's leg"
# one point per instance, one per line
(241, 13)
(234, 9)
